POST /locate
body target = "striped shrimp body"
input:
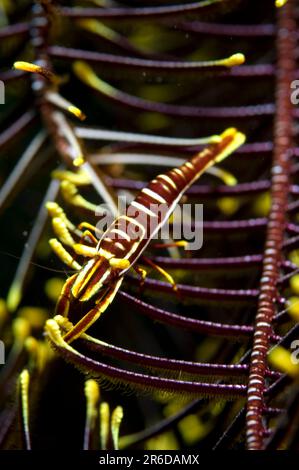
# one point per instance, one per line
(128, 236)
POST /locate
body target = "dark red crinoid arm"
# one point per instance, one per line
(276, 225)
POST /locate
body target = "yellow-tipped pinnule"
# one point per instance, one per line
(3, 311)
(294, 284)
(104, 424)
(36, 316)
(55, 98)
(21, 329)
(39, 353)
(86, 74)
(116, 420)
(236, 138)
(24, 382)
(14, 297)
(280, 3)
(78, 161)
(34, 68)
(76, 112)
(27, 66)
(92, 391)
(234, 60)
(228, 205)
(32, 345)
(33, 348)
(285, 361)
(92, 395)
(228, 178)
(293, 308)
(53, 287)
(294, 257)
(181, 243)
(98, 28)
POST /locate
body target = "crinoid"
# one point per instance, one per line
(152, 79)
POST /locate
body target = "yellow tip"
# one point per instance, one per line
(234, 60)
(76, 112)
(92, 391)
(294, 257)
(86, 74)
(294, 283)
(3, 311)
(38, 353)
(78, 161)
(53, 288)
(116, 420)
(27, 67)
(284, 361)
(237, 139)
(104, 424)
(14, 297)
(228, 178)
(31, 345)
(98, 28)
(36, 316)
(293, 308)
(24, 378)
(228, 205)
(262, 205)
(280, 3)
(21, 329)
(33, 68)
(182, 243)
